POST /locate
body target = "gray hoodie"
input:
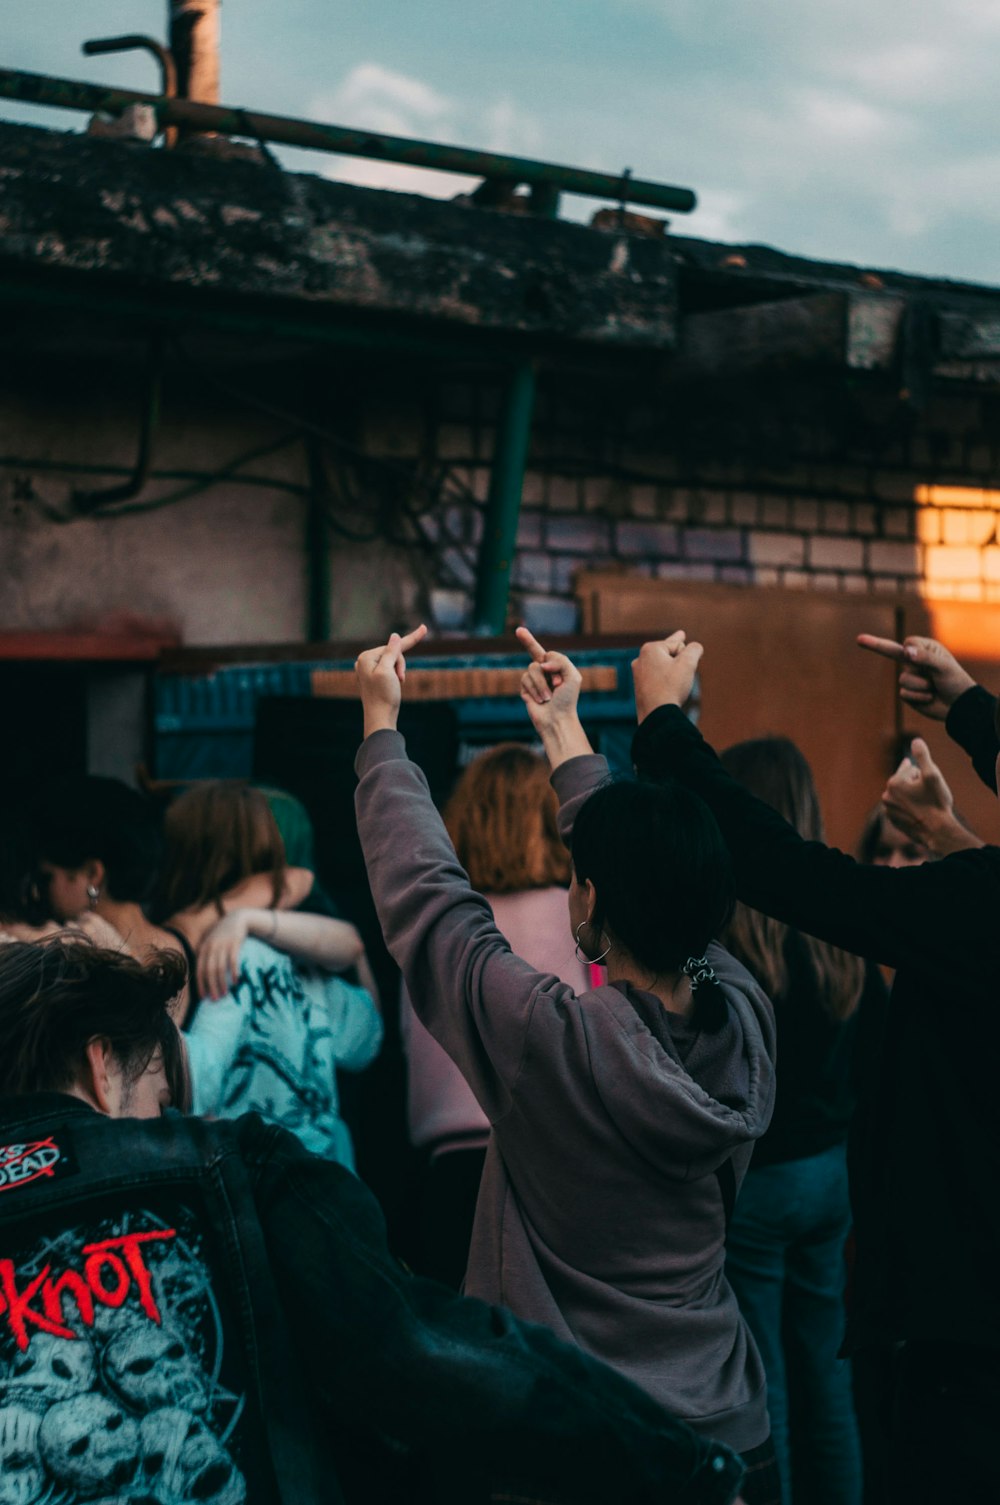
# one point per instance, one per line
(600, 1212)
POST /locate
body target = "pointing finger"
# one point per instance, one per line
(534, 647)
(411, 639)
(921, 755)
(885, 647)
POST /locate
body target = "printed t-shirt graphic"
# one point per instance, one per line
(111, 1356)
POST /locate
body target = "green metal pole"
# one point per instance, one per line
(504, 503)
(189, 114)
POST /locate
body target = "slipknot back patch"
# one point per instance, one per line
(42, 1159)
(114, 1381)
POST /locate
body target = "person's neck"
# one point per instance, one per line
(672, 989)
(129, 921)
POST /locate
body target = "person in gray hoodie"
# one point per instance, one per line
(622, 1119)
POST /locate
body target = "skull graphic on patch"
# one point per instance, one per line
(111, 1369)
(22, 1473)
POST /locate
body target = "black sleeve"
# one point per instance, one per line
(877, 912)
(492, 1406)
(971, 723)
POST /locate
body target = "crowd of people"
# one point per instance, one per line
(679, 1074)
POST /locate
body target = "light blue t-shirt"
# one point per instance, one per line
(273, 1044)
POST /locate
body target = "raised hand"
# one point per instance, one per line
(550, 689)
(664, 673)
(381, 672)
(931, 679)
(918, 801)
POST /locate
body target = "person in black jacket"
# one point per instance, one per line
(204, 1312)
(924, 1180)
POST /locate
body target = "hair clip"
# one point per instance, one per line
(699, 971)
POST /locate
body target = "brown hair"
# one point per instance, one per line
(57, 996)
(502, 821)
(775, 771)
(217, 834)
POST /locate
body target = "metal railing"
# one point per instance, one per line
(70, 94)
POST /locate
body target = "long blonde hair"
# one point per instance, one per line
(775, 771)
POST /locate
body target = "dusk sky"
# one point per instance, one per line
(859, 130)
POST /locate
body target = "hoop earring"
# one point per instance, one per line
(588, 961)
(93, 894)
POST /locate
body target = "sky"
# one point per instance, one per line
(863, 131)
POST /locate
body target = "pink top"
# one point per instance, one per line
(440, 1105)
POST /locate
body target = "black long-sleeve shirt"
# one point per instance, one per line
(927, 1170)
(971, 724)
(817, 1079)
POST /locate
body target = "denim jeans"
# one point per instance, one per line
(785, 1261)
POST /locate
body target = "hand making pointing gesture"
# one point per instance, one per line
(931, 679)
(550, 689)
(381, 672)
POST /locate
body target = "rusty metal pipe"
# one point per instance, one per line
(135, 42)
(194, 42)
(68, 94)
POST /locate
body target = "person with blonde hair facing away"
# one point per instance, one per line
(622, 1118)
(278, 1021)
(502, 820)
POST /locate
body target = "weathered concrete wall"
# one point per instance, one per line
(227, 565)
(805, 485)
(133, 217)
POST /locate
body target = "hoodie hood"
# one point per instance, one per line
(685, 1099)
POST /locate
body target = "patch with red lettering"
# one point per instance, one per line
(37, 1160)
(114, 1381)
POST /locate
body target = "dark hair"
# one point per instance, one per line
(774, 770)
(88, 817)
(503, 821)
(20, 894)
(660, 868)
(57, 996)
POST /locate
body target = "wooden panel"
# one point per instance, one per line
(453, 684)
(75, 647)
(779, 663)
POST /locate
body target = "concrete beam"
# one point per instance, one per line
(131, 217)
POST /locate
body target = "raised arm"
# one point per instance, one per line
(933, 682)
(550, 689)
(466, 986)
(885, 914)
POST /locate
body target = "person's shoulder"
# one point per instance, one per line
(981, 864)
(259, 1142)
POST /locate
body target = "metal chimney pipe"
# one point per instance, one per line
(194, 29)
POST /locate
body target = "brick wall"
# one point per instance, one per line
(870, 502)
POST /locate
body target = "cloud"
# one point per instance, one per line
(377, 98)
(855, 131)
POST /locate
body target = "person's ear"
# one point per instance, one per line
(101, 1080)
(590, 899)
(95, 873)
